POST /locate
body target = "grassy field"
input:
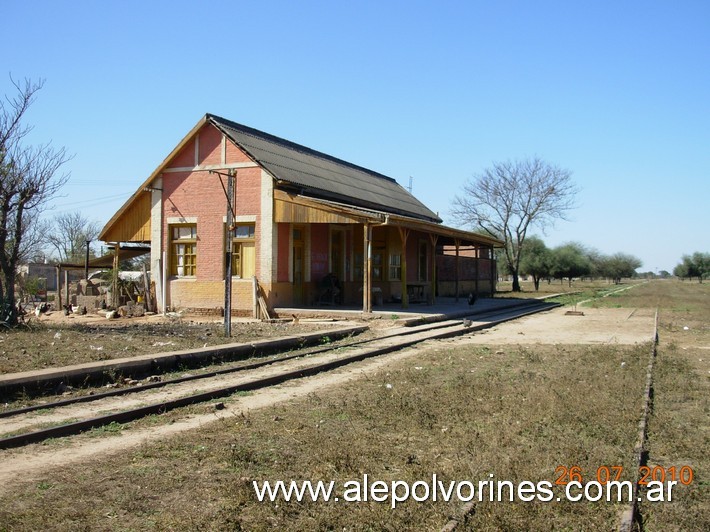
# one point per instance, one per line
(462, 413)
(679, 429)
(563, 292)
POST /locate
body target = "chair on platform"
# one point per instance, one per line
(329, 290)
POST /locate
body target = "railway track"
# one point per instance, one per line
(125, 405)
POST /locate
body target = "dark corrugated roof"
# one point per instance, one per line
(320, 175)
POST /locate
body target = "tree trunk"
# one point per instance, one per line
(9, 311)
(536, 282)
(516, 283)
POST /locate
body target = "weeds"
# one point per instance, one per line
(463, 413)
(112, 428)
(62, 345)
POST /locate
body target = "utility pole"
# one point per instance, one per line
(86, 261)
(228, 275)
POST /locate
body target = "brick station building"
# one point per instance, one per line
(296, 216)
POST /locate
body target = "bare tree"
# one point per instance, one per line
(69, 234)
(510, 198)
(34, 241)
(29, 178)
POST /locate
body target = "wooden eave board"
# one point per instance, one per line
(290, 208)
(132, 223)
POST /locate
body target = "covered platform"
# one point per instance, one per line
(444, 308)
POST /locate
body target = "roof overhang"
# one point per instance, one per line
(106, 261)
(305, 209)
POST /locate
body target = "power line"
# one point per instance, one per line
(104, 199)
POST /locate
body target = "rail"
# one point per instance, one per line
(392, 341)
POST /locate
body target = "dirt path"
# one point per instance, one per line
(597, 326)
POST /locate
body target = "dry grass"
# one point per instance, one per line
(51, 345)
(679, 431)
(580, 290)
(467, 413)
(517, 412)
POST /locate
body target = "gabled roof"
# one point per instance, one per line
(302, 172)
(320, 175)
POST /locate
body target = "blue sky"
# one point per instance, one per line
(617, 92)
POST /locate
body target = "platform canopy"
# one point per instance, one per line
(125, 252)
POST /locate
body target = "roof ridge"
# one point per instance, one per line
(293, 145)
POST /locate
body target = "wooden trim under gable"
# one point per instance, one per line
(289, 208)
(133, 223)
(207, 167)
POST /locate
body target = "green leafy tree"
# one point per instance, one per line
(570, 261)
(510, 198)
(619, 265)
(695, 265)
(596, 262)
(681, 270)
(536, 260)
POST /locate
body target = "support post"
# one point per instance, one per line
(404, 235)
(434, 239)
(58, 297)
(255, 297)
(494, 272)
(478, 264)
(457, 242)
(114, 289)
(164, 272)
(66, 286)
(228, 274)
(86, 262)
(367, 270)
(146, 283)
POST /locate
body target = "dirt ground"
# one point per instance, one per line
(55, 340)
(597, 326)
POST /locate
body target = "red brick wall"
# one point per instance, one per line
(235, 155)
(200, 195)
(186, 157)
(210, 151)
(248, 186)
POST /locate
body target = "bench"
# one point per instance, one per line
(415, 292)
(329, 290)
